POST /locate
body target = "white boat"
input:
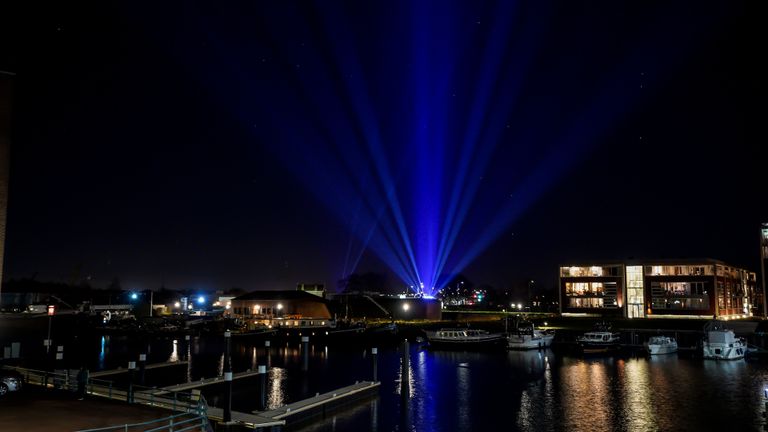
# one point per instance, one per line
(661, 345)
(527, 336)
(599, 340)
(721, 343)
(464, 339)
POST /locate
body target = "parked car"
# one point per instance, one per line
(9, 382)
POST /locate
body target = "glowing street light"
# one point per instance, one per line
(201, 300)
(134, 296)
(406, 306)
(177, 305)
(279, 306)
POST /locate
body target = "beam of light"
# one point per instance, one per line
(475, 153)
(385, 138)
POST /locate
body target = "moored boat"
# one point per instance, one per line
(601, 339)
(527, 336)
(661, 345)
(721, 343)
(464, 338)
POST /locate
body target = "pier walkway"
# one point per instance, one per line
(204, 382)
(121, 370)
(323, 401)
(171, 398)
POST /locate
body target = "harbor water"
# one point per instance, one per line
(456, 391)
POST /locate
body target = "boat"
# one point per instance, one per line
(721, 343)
(661, 345)
(527, 336)
(601, 339)
(464, 338)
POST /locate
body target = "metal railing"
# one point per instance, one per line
(190, 407)
(186, 421)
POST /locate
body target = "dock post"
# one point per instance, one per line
(268, 349)
(262, 387)
(131, 371)
(375, 355)
(60, 357)
(59, 366)
(227, 377)
(188, 350)
(405, 372)
(142, 367)
(305, 353)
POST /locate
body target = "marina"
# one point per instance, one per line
(300, 385)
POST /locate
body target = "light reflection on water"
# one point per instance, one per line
(275, 388)
(521, 390)
(174, 357)
(638, 401)
(103, 352)
(586, 386)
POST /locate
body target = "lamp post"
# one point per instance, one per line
(227, 377)
(51, 311)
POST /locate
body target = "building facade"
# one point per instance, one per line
(278, 309)
(660, 288)
(764, 258)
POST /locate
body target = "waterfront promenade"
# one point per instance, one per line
(39, 410)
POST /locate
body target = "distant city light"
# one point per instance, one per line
(134, 296)
(177, 304)
(201, 299)
(519, 306)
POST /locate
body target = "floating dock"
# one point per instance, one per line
(204, 382)
(300, 411)
(125, 370)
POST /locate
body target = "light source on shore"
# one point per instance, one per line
(134, 296)
(201, 300)
(279, 306)
(177, 305)
(406, 306)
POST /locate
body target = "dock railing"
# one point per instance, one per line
(190, 407)
(194, 420)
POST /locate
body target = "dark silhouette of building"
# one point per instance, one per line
(764, 259)
(6, 88)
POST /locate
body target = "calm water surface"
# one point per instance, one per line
(465, 391)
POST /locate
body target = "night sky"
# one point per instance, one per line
(263, 144)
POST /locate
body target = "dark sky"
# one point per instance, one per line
(183, 142)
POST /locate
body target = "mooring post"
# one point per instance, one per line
(262, 387)
(305, 353)
(60, 366)
(227, 377)
(131, 371)
(142, 367)
(405, 372)
(188, 347)
(375, 355)
(268, 349)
